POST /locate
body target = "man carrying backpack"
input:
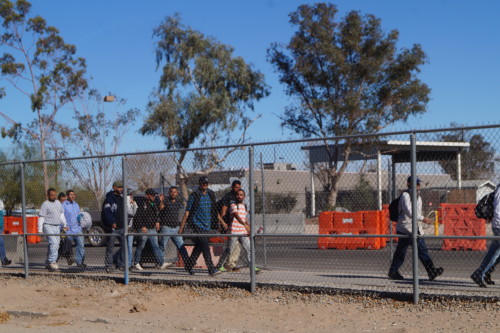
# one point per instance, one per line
(404, 227)
(201, 210)
(482, 275)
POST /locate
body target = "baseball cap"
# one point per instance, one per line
(151, 191)
(117, 184)
(203, 179)
(418, 180)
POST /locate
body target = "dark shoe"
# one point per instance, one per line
(395, 276)
(214, 273)
(435, 272)
(70, 262)
(487, 279)
(477, 279)
(6, 262)
(82, 265)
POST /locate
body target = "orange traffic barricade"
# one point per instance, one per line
(460, 220)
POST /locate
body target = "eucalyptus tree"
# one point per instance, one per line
(346, 77)
(41, 66)
(203, 94)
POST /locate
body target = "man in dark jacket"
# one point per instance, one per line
(114, 223)
(146, 221)
(201, 210)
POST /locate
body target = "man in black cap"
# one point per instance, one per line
(146, 221)
(404, 227)
(201, 210)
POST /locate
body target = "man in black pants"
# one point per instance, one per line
(201, 210)
(113, 223)
(404, 227)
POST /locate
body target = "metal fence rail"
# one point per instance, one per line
(319, 209)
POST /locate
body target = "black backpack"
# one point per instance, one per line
(394, 209)
(484, 208)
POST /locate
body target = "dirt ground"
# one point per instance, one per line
(57, 304)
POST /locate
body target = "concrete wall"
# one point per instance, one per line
(293, 223)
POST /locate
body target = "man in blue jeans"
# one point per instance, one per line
(404, 227)
(71, 211)
(482, 275)
(146, 221)
(170, 208)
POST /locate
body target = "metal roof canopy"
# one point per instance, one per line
(400, 152)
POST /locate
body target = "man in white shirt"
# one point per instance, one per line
(51, 217)
(404, 227)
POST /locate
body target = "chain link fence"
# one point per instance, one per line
(319, 212)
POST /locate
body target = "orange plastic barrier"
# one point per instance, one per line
(356, 223)
(347, 224)
(372, 225)
(325, 227)
(14, 225)
(220, 239)
(460, 220)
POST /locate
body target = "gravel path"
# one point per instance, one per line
(59, 304)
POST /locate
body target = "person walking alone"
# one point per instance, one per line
(404, 227)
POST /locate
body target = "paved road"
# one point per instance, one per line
(298, 261)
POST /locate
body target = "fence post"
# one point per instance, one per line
(25, 226)
(414, 216)
(252, 220)
(125, 222)
(263, 190)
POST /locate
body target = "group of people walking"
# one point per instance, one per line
(159, 213)
(153, 214)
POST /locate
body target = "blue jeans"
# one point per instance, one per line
(178, 241)
(80, 248)
(3, 255)
(130, 243)
(53, 248)
(153, 239)
(490, 257)
(116, 258)
(400, 254)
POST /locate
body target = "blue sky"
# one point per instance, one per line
(461, 39)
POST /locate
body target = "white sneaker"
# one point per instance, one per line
(53, 266)
(138, 267)
(165, 265)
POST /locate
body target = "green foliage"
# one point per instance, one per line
(10, 178)
(363, 197)
(203, 89)
(477, 160)
(41, 66)
(347, 77)
(276, 203)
